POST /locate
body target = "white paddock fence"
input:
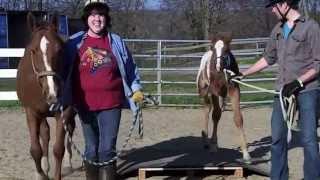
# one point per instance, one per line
(156, 57)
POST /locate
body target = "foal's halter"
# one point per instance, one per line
(41, 74)
(224, 61)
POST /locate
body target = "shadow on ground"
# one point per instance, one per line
(188, 152)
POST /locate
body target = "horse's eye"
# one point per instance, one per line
(224, 57)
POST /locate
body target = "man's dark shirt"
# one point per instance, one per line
(297, 54)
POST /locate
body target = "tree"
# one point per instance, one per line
(128, 17)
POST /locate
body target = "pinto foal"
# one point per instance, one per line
(213, 86)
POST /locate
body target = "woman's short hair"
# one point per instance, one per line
(100, 8)
(294, 4)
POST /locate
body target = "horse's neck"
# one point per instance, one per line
(212, 67)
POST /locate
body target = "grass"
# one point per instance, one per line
(10, 104)
(7, 84)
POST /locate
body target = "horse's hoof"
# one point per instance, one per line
(247, 159)
(41, 176)
(67, 164)
(67, 170)
(45, 165)
(67, 159)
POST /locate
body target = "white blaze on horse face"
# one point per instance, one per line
(44, 47)
(218, 46)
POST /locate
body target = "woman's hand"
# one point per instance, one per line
(137, 96)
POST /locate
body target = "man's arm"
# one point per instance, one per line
(309, 75)
(258, 66)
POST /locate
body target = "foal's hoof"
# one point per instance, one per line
(67, 170)
(41, 176)
(247, 159)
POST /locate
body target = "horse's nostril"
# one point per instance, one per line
(52, 100)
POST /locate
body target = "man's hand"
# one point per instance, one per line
(231, 76)
(238, 76)
(137, 96)
(292, 88)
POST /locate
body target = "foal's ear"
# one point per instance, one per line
(227, 36)
(54, 21)
(213, 38)
(31, 20)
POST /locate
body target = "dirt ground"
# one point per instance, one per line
(160, 125)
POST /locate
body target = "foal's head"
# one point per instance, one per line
(45, 50)
(221, 49)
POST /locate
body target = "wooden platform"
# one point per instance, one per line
(237, 171)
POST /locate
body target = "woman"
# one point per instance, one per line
(101, 78)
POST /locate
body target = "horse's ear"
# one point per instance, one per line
(213, 39)
(54, 21)
(31, 20)
(227, 37)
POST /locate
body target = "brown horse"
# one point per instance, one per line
(213, 86)
(38, 86)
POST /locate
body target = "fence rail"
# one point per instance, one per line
(164, 50)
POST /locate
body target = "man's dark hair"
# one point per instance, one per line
(99, 8)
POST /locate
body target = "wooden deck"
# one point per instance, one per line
(236, 171)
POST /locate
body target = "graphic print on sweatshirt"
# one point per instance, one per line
(96, 58)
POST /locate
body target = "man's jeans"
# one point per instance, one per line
(100, 131)
(307, 104)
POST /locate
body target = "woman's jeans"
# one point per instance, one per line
(100, 131)
(308, 104)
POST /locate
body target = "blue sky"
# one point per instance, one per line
(153, 4)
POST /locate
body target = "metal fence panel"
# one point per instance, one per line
(160, 53)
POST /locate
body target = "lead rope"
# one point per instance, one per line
(140, 124)
(288, 105)
(136, 117)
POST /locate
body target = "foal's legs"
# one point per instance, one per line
(34, 122)
(58, 147)
(45, 138)
(206, 112)
(234, 94)
(216, 115)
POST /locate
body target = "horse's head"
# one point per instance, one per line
(221, 49)
(45, 50)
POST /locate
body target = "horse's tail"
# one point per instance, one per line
(203, 75)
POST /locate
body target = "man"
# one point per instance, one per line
(295, 46)
(100, 78)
